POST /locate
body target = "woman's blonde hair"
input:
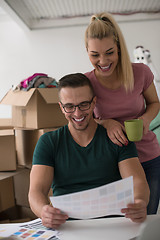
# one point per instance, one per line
(103, 25)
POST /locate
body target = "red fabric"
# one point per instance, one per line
(119, 105)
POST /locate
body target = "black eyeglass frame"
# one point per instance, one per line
(78, 105)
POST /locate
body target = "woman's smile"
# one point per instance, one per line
(103, 55)
(105, 68)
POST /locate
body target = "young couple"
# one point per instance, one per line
(83, 155)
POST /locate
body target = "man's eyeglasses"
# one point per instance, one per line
(70, 108)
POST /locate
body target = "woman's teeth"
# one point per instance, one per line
(106, 67)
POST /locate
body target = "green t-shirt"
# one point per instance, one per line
(79, 168)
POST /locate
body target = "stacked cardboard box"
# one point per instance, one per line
(7, 146)
(7, 150)
(34, 112)
(26, 140)
(7, 163)
(14, 204)
(6, 193)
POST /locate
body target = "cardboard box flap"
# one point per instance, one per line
(50, 95)
(6, 132)
(19, 98)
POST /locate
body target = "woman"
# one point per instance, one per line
(124, 91)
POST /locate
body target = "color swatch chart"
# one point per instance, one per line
(106, 200)
(26, 231)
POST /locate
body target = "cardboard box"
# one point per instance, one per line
(26, 212)
(26, 140)
(17, 214)
(21, 187)
(21, 183)
(36, 108)
(6, 193)
(7, 150)
(6, 123)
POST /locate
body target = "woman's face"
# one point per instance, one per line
(103, 55)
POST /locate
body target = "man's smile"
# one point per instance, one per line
(78, 119)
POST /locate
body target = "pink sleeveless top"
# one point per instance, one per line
(119, 105)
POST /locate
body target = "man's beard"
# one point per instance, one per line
(80, 129)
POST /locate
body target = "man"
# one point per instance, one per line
(80, 156)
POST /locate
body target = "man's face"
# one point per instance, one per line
(78, 119)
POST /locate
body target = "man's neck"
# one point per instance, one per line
(83, 137)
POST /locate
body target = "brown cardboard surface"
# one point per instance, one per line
(6, 194)
(44, 130)
(26, 140)
(49, 96)
(21, 187)
(36, 108)
(19, 98)
(9, 214)
(7, 150)
(25, 212)
(16, 214)
(6, 132)
(25, 144)
(6, 123)
(4, 175)
(20, 220)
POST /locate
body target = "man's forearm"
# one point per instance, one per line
(37, 201)
(141, 191)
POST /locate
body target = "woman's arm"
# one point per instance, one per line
(115, 131)
(152, 106)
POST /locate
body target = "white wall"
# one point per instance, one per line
(59, 51)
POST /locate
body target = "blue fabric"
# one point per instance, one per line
(155, 122)
(155, 126)
(152, 171)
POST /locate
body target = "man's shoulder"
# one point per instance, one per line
(53, 134)
(102, 133)
(101, 128)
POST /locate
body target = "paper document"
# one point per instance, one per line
(106, 200)
(29, 231)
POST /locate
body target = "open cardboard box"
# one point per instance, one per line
(36, 108)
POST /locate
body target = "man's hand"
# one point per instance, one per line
(52, 217)
(136, 211)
